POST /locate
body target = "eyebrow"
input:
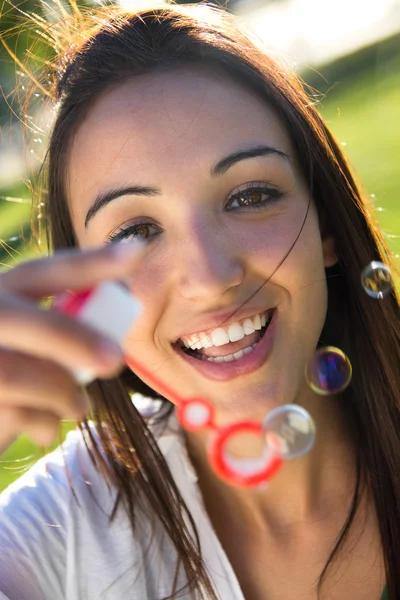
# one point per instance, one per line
(216, 170)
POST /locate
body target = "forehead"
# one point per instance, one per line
(159, 125)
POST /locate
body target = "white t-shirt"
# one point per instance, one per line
(53, 548)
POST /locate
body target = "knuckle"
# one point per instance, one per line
(11, 278)
(28, 376)
(62, 381)
(12, 372)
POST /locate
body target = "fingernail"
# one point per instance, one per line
(84, 376)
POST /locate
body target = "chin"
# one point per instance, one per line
(244, 405)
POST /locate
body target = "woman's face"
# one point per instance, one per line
(213, 235)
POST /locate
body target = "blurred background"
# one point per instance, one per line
(347, 50)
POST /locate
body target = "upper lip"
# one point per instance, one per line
(223, 319)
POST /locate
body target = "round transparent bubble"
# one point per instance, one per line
(329, 372)
(289, 431)
(376, 280)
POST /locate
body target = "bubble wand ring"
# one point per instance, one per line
(96, 307)
(195, 414)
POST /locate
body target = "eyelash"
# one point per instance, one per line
(274, 195)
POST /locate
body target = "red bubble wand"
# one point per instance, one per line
(111, 309)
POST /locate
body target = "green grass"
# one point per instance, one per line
(15, 217)
(366, 117)
(364, 113)
(21, 455)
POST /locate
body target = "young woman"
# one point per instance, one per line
(172, 127)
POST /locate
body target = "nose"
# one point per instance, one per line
(209, 262)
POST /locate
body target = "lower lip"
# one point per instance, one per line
(243, 366)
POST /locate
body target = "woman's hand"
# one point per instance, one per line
(40, 348)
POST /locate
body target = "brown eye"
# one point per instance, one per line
(251, 197)
(143, 231)
(254, 198)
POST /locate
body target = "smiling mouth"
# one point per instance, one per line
(232, 351)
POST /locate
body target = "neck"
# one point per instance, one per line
(308, 489)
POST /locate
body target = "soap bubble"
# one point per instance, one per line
(376, 280)
(329, 372)
(289, 431)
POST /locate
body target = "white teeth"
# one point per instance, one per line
(219, 337)
(235, 332)
(206, 342)
(248, 326)
(227, 358)
(230, 357)
(257, 322)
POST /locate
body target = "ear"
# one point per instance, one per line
(329, 251)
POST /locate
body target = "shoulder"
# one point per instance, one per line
(45, 488)
(35, 515)
(56, 539)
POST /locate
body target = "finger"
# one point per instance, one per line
(26, 328)
(39, 384)
(41, 426)
(71, 269)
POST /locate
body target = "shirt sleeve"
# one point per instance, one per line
(33, 526)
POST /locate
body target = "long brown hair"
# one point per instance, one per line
(110, 46)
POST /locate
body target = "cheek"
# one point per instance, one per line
(281, 239)
(294, 262)
(150, 286)
(150, 276)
